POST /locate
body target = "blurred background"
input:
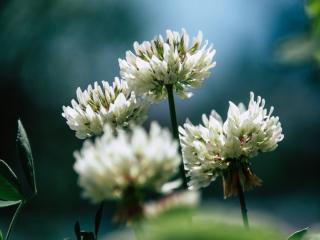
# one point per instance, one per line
(49, 48)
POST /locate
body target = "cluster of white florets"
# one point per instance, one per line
(209, 149)
(98, 105)
(113, 163)
(167, 61)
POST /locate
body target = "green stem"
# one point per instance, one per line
(243, 206)
(98, 220)
(14, 218)
(175, 130)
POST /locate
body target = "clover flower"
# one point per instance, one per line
(224, 149)
(250, 131)
(201, 149)
(117, 167)
(169, 61)
(98, 105)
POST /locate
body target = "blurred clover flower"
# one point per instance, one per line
(122, 167)
(97, 105)
(170, 61)
(224, 149)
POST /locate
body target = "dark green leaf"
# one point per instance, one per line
(8, 203)
(26, 157)
(77, 230)
(98, 218)
(1, 237)
(298, 235)
(9, 187)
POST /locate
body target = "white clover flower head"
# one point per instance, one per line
(167, 61)
(224, 149)
(250, 131)
(98, 105)
(112, 164)
(202, 149)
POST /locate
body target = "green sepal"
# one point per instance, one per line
(26, 158)
(9, 187)
(298, 235)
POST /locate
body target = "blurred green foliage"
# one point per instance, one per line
(312, 237)
(181, 226)
(313, 11)
(304, 48)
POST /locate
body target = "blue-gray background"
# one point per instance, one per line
(49, 48)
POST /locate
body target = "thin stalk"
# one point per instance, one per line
(175, 130)
(243, 206)
(98, 220)
(14, 218)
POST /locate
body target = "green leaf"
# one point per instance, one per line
(1, 237)
(26, 157)
(298, 235)
(8, 203)
(9, 187)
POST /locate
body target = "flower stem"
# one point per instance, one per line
(98, 220)
(174, 125)
(243, 206)
(14, 218)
